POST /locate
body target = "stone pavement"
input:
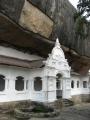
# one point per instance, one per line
(77, 112)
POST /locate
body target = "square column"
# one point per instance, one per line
(51, 89)
(66, 88)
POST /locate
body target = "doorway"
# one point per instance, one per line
(58, 86)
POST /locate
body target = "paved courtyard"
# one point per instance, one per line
(77, 112)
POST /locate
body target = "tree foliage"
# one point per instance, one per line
(80, 18)
(81, 27)
(84, 7)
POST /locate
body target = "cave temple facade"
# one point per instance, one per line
(26, 76)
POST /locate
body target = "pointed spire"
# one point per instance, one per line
(57, 44)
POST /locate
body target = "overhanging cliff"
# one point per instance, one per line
(62, 12)
(28, 16)
(18, 30)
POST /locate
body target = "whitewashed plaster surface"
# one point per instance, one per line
(10, 94)
(48, 75)
(57, 64)
(80, 90)
(10, 52)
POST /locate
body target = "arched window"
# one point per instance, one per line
(77, 84)
(72, 84)
(2, 83)
(19, 83)
(84, 84)
(58, 76)
(38, 84)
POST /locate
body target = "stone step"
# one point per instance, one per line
(67, 102)
(61, 103)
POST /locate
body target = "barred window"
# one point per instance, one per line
(77, 84)
(38, 84)
(72, 84)
(84, 84)
(19, 83)
(27, 84)
(2, 83)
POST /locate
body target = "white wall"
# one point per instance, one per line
(10, 94)
(80, 90)
(48, 92)
(5, 51)
(85, 90)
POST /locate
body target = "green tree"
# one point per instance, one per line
(84, 7)
(80, 17)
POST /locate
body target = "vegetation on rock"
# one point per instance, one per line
(81, 25)
(80, 17)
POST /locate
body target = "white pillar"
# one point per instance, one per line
(51, 89)
(66, 88)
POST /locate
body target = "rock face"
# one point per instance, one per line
(12, 35)
(34, 20)
(21, 36)
(28, 16)
(62, 12)
(12, 8)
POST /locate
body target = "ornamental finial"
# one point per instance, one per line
(57, 44)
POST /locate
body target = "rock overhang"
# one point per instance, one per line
(18, 36)
(15, 35)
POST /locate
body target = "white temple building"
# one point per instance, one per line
(31, 77)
